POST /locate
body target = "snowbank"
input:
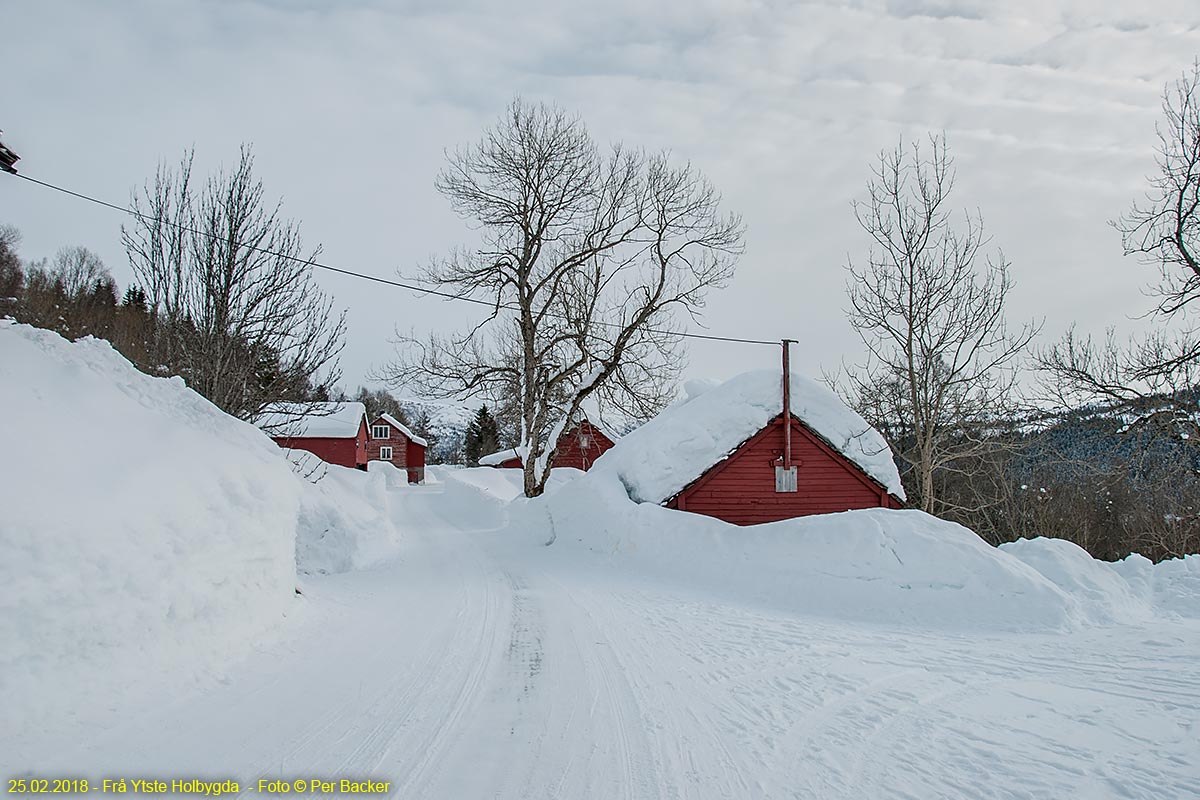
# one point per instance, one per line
(436, 473)
(1102, 595)
(663, 456)
(876, 565)
(345, 519)
(480, 498)
(141, 528)
(1171, 588)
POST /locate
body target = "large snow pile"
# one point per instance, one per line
(663, 456)
(140, 527)
(345, 518)
(480, 498)
(1171, 588)
(876, 565)
(1103, 596)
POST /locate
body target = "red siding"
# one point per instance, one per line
(571, 451)
(343, 452)
(406, 454)
(741, 489)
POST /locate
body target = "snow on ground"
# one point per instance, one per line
(1102, 595)
(345, 521)
(141, 529)
(1171, 588)
(482, 665)
(646, 653)
(479, 498)
(667, 453)
(874, 565)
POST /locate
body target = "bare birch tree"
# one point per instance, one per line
(928, 302)
(240, 317)
(587, 257)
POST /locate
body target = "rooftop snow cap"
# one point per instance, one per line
(499, 457)
(319, 420)
(675, 448)
(400, 426)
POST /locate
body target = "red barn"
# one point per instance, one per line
(334, 432)
(578, 447)
(725, 453)
(741, 488)
(393, 442)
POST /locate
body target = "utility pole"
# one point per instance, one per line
(785, 474)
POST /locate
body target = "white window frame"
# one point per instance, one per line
(385, 453)
(387, 431)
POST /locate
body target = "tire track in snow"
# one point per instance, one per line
(474, 645)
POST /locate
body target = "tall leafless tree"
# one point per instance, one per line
(929, 305)
(240, 315)
(587, 257)
(1163, 231)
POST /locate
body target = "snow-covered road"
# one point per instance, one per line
(477, 668)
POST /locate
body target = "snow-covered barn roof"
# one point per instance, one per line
(313, 420)
(660, 458)
(400, 426)
(498, 458)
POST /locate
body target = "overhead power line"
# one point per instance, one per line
(362, 275)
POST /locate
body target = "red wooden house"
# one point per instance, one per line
(390, 440)
(334, 432)
(579, 446)
(727, 453)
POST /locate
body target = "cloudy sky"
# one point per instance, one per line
(1049, 107)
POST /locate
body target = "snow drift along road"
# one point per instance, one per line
(142, 528)
(345, 518)
(875, 565)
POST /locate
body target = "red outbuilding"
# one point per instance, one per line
(334, 432)
(579, 446)
(742, 488)
(726, 452)
(390, 440)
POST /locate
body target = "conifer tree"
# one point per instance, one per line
(483, 437)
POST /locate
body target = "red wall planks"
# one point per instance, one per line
(741, 489)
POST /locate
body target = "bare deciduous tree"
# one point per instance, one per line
(240, 315)
(585, 259)
(929, 305)
(79, 269)
(1164, 231)
(11, 274)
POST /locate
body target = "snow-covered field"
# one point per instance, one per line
(644, 654)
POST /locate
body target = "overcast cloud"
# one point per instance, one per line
(1049, 108)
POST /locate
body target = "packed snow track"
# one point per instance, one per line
(474, 667)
